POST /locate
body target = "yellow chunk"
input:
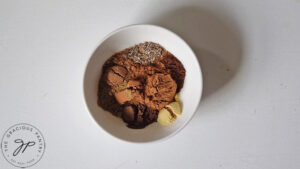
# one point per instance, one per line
(175, 108)
(165, 117)
(177, 97)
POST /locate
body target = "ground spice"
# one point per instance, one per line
(139, 81)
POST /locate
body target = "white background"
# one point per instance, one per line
(249, 116)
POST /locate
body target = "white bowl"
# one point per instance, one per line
(126, 37)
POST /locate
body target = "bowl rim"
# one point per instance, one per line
(95, 49)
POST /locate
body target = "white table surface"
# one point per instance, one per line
(249, 116)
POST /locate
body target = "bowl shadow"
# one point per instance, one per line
(217, 44)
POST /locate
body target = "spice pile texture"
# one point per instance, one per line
(138, 82)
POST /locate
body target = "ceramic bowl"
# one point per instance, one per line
(126, 37)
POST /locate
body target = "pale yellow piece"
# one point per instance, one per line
(165, 117)
(175, 108)
(177, 97)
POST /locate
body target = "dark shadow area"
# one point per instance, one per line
(218, 45)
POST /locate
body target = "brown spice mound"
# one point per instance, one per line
(139, 81)
(160, 90)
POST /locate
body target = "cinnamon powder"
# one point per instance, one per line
(139, 81)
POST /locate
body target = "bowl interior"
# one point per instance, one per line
(127, 37)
